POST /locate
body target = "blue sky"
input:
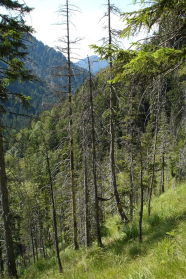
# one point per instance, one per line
(45, 17)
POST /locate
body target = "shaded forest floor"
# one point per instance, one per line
(161, 255)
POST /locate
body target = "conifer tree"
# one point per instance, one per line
(66, 11)
(112, 8)
(12, 55)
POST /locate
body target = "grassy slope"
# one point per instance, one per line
(162, 254)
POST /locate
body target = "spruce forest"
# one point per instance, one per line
(92, 166)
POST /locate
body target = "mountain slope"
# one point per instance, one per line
(161, 255)
(42, 61)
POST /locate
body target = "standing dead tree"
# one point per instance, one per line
(67, 11)
(94, 160)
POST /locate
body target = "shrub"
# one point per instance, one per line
(105, 231)
(153, 220)
(131, 231)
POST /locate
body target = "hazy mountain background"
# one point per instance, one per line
(96, 64)
(49, 66)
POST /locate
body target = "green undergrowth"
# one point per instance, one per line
(161, 255)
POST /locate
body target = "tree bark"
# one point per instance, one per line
(112, 132)
(163, 173)
(141, 197)
(32, 243)
(162, 179)
(71, 134)
(1, 260)
(131, 184)
(153, 168)
(99, 242)
(53, 214)
(154, 150)
(10, 257)
(86, 192)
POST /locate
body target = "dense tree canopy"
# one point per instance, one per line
(13, 49)
(12, 56)
(163, 50)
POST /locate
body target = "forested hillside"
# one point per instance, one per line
(43, 62)
(100, 154)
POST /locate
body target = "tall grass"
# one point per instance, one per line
(161, 255)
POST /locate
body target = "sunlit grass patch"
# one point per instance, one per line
(161, 255)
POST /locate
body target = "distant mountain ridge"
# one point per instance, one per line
(96, 64)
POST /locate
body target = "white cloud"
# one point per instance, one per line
(44, 17)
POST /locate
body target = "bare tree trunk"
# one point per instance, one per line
(30, 226)
(32, 243)
(141, 198)
(162, 185)
(71, 135)
(94, 163)
(1, 260)
(86, 192)
(163, 173)
(131, 184)
(153, 168)
(42, 247)
(154, 150)
(54, 214)
(112, 133)
(35, 241)
(10, 257)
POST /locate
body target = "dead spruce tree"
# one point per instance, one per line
(88, 130)
(98, 231)
(66, 12)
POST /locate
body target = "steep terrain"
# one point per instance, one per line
(48, 65)
(161, 255)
